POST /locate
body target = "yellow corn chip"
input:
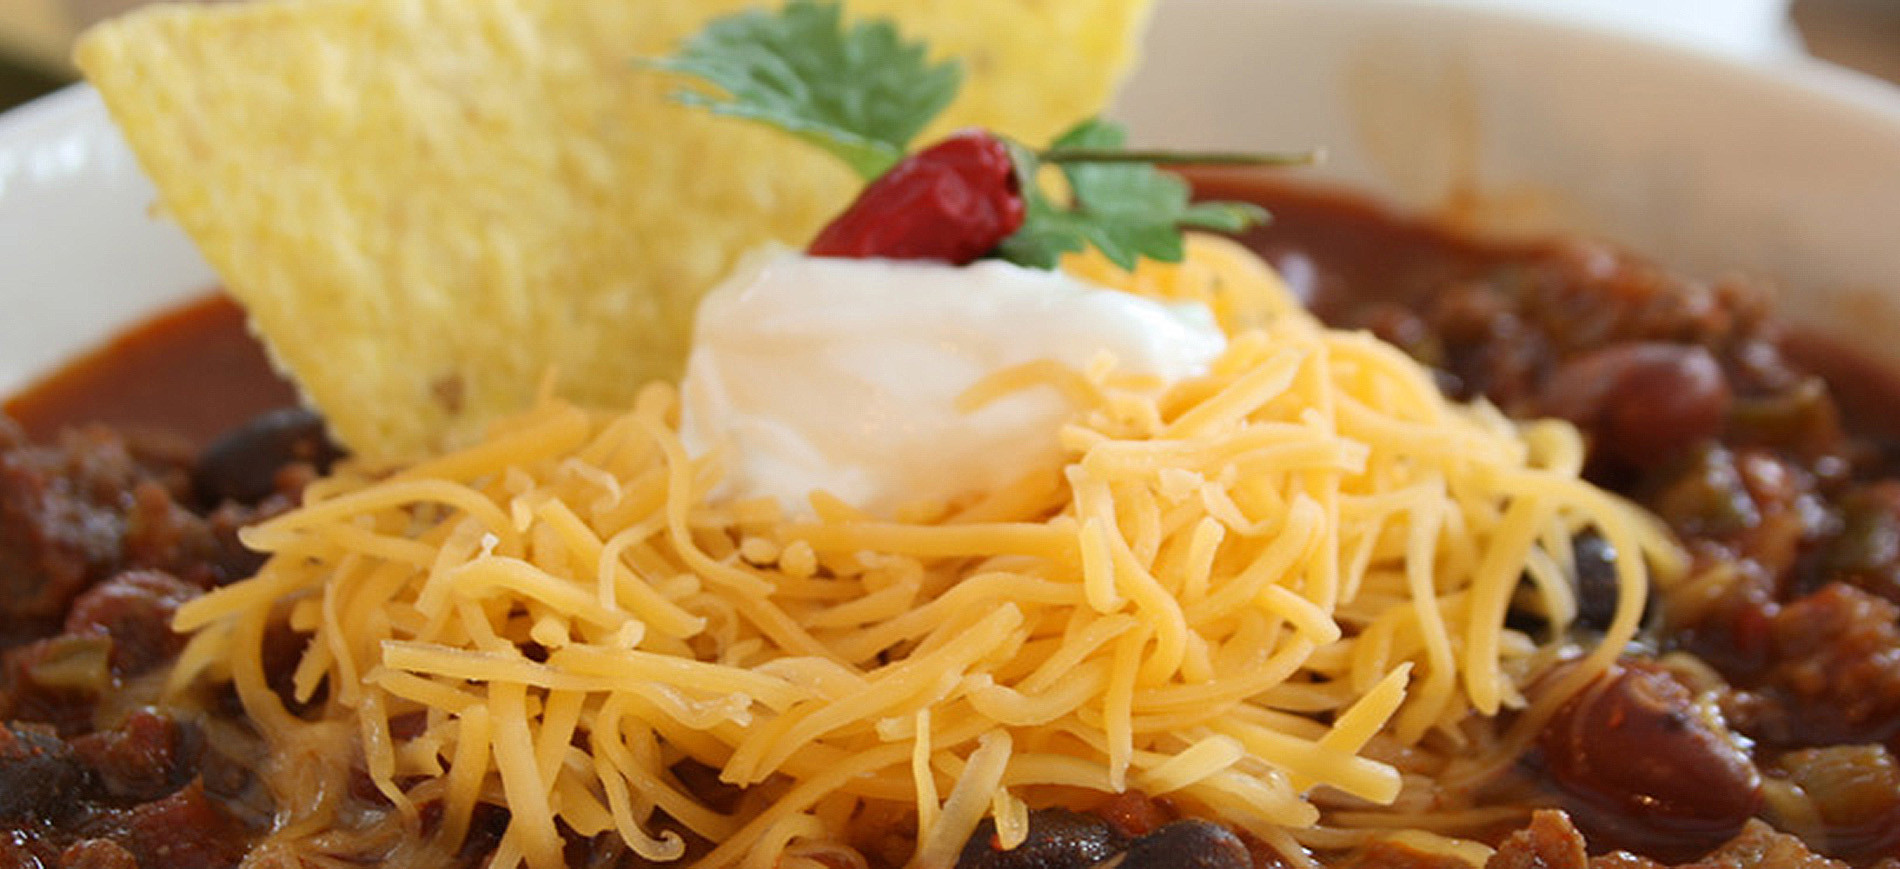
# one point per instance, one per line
(427, 205)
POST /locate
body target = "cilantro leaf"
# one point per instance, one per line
(1127, 210)
(1047, 233)
(861, 92)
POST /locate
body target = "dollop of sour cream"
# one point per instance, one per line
(843, 375)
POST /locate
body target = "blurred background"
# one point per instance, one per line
(1862, 34)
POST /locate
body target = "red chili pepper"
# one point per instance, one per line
(953, 201)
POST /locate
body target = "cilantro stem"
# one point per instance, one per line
(1180, 158)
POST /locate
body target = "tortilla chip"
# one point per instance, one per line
(427, 205)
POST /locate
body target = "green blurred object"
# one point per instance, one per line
(19, 84)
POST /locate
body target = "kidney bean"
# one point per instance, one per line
(1645, 402)
(1641, 767)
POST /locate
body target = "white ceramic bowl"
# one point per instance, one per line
(1790, 173)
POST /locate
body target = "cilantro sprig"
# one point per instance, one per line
(863, 93)
(860, 92)
(1126, 210)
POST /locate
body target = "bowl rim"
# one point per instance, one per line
(1792, 67)
(26, 119)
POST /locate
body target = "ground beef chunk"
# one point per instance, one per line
(1761, 847)
(97, 854)
(135, 609)
(40, 776)
(116, 631)
(20, 849)
(162, 534)
(62, 525)
(1488, 347)
(147, 757)
(1586, 295)
(117, 798)
(186, 830)
(56, 681)
(1831, 672)
(75, 514)
(1551, 842)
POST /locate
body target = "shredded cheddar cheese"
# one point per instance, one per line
(1246, 591)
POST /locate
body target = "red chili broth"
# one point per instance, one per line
(193, 371)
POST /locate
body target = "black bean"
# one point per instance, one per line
(1597, 589)
(1058, 839)
(242, 465)
(1189, 844)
